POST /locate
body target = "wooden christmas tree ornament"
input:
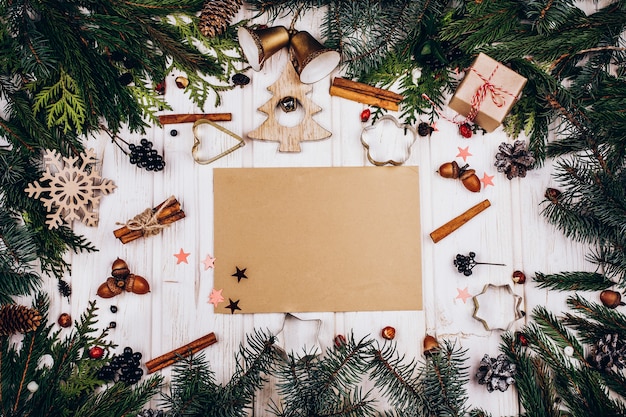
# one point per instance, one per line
(289, 137)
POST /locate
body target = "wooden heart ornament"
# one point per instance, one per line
(197, 134)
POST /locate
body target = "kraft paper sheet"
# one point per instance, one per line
(318, 239)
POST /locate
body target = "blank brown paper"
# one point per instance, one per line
(318, 239)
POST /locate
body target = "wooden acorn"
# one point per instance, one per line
(467, 176)
(120, 269)
(137, 284)
(122, 280)
(611, 299)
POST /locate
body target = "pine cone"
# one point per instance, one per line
(608, 352)
(18, 319)
(216, 15)
(514, 160)
(496, 373)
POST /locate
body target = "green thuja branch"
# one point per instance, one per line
(62, 103)
(64, 374)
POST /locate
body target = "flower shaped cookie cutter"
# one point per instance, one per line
(497, 307)
(388, 141)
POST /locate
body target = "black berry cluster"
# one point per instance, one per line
(144, 156)
(464, 264)
(124, 368)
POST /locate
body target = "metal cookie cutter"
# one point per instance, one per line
(299, 334)
(196, 142)
(388, 141)
(500, 307)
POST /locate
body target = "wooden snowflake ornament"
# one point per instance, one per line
(70, 188)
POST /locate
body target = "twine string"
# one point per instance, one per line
(148, 220)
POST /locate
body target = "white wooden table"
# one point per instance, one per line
(176, 311)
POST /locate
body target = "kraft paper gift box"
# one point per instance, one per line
(496, 84)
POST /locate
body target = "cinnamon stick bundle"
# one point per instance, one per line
(166, 213)
(365, 93)
(175, 355)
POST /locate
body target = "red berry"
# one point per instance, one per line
(160, 88)
(466, 130)
(365, 115)
(96, 352)
(521, 338)
(388, 333)
(340, 341)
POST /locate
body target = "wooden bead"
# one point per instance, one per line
(611, 299)
(65, 320)
(430, 345)
(388, 333)
(519, 277)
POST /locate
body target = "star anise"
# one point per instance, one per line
(514, 160)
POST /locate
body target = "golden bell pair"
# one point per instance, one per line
(312, 60)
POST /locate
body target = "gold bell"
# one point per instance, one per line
(312, 60)
(259, 45)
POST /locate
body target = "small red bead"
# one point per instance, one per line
(96, 352)
(388, 333)
(340, 341)
(466, 130)
(365, 115)
(160, 88)
(521, 339)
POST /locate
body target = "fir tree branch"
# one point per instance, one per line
(573, 281)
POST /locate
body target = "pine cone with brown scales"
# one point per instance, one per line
(216, 16)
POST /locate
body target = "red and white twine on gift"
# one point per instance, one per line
(497, 96)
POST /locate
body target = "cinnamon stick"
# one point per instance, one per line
(367, 89)
(459, 221)
(364, 98)
(193, 117)
(175, 355)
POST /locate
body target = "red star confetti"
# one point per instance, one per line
(181, 256)
(216, 297)
(486, 180)
(209, 262)
(464, 153)
(463, 294)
